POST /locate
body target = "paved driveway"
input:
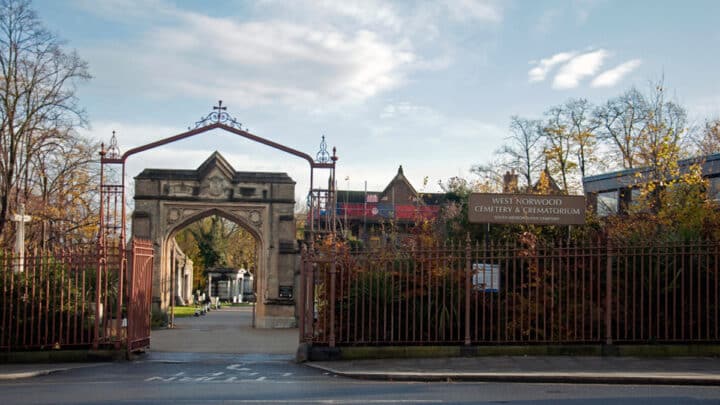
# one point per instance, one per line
(228, 330)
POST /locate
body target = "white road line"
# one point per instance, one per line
(237, 367)
(165, 379)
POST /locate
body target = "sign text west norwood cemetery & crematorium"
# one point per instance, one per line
(526, 209)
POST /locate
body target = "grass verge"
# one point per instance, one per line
(183, 312)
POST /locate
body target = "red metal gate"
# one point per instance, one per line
(139, 294)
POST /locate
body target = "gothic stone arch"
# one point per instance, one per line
(263, 203)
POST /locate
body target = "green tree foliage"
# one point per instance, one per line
(217, 242)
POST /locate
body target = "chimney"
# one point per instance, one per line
(510, 182)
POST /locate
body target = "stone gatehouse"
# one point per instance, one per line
(166, 201)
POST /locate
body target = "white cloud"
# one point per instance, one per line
(255, 63)
(304, 54)
(612, 76)
(539, 72)
(573, 67)
(579, 67)
(363, 11)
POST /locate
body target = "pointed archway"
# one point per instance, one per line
(261, 201)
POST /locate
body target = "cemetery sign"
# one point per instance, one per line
(526, 209)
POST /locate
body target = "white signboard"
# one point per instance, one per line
(486, 277)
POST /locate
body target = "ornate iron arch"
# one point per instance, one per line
(112, 209)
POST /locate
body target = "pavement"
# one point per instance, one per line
(229, 330)
(535, 369)
(21, 371)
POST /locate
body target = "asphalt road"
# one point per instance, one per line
(218, 359)
(273, 379)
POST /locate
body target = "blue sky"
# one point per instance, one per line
(427, 85)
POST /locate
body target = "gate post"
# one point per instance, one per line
(303, 294)
(333, 270)
(608, 293)
(468, 275)
(308, 309)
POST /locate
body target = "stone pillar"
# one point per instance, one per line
(20, 218)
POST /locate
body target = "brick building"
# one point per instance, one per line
(362, 213)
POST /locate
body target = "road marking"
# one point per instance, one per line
(223, 376)
(168, 379)
(210, 378)
(238, 367)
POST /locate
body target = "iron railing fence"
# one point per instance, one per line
(521, 292)
(59, 299)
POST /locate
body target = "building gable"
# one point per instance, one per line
(399, 190)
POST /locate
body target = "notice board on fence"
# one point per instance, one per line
(486, 208)
(486, 277)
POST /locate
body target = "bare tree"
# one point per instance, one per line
(522, 153)
(560, 144)
(38, 104)
(582, 127)
(709, 139)
(620, 122)
(62, 192)
(661, 138)
(524, 147)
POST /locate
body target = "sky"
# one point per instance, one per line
(427, 85)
